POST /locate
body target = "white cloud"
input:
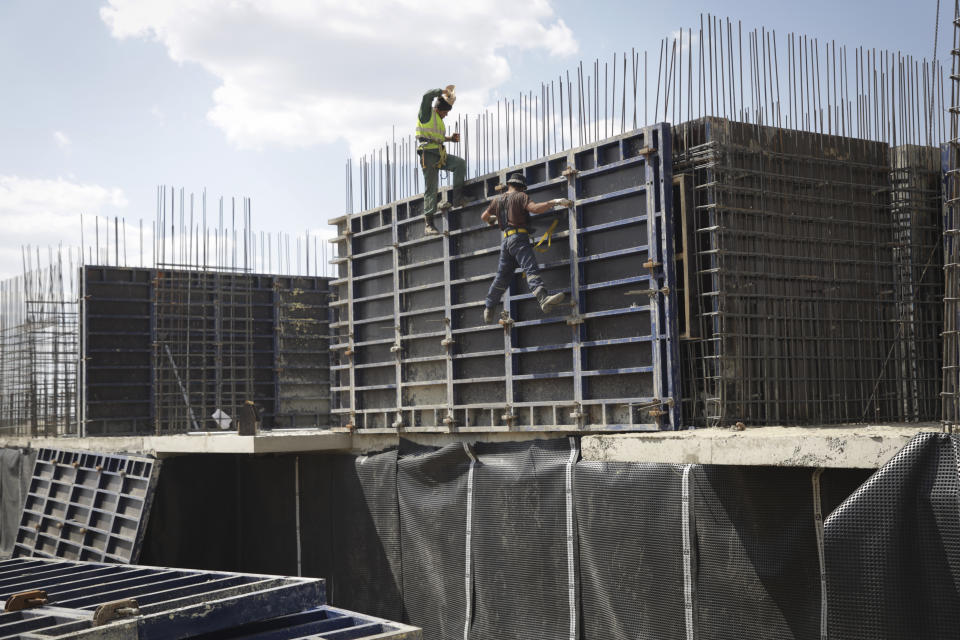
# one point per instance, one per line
(44, 212)
(61, 139)
(302, 72)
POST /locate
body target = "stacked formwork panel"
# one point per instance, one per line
(790, 258)
(165, 349)
(410, 348)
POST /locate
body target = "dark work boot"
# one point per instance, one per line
(547, 302)
(488, 316)
(457, 198)
(428, 228)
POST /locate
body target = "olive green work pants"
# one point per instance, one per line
(431, 180)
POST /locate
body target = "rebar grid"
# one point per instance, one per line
(203, 349)
(809, 276)
(39, 350)
(915, 203)
(950, 408)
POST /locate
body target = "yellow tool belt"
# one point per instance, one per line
(510, 232)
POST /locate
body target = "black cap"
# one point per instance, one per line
(517, 180)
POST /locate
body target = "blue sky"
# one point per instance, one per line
(106, 99)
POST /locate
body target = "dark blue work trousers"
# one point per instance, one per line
(515, 250)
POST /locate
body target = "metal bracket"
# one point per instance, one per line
(395, 348)
(110, 611)
(505, 320)
(398, 423)
(569, 173)
(449, 421)
(646, 151)
(509, 417)
(647, 292)
(651, 264)
(25, 600)
(574, 319)
(446, 342)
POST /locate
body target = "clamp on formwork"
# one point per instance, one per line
(25, 600)
(110, 611)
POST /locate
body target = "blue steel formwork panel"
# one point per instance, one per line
(87, 506)
(411, 351)
(176, 603)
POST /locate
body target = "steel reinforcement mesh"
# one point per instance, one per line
(523, 541)
(809, 267)
(950, 408)
(432, 490)
(916, 208)
(893, 548)
(629, 521)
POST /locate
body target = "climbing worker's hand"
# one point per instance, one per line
(454, 138)
(561, 202)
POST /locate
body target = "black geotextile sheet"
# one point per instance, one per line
(757, 569)
(16, 469)
(365, 567)
(193, 520)
(893, 548)
(432, 492)
(521, 557)
(631, 551)
(266, 489)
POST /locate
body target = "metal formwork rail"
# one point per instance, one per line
(322, 622)
(411, 351)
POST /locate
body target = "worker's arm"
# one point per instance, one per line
(426, 105)
(543, 207)
(489, 216)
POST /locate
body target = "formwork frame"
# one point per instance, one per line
(411, 352)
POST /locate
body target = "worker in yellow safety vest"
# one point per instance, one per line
(431, 134)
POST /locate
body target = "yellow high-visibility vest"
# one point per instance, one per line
(431, 134)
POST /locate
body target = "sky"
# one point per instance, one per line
(104, 100)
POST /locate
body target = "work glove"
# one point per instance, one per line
(455, 137)
(561, 202)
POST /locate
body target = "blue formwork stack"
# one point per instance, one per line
(60, 599)
(410, 349)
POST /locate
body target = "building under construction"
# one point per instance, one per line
(732, 430)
